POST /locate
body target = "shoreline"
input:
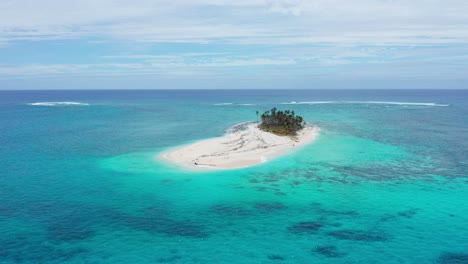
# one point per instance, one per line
(245, 148)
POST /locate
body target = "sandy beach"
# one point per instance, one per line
(240, 148)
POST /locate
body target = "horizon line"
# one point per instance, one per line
(243, 89)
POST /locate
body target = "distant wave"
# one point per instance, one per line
(367, 102)
(221, 104)
(58, 104)
(314, 102)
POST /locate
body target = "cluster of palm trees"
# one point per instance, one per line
(281, 122)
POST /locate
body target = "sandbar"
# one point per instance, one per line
(245, 147)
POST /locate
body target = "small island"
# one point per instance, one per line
(281, 123)
(247, 144)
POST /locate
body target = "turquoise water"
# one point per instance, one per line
(386, 181)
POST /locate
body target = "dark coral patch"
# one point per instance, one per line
(271, 179)
(358, 235)
(168, 226)
(319, 208)
(329, 251)
(408, 213)
(453, 258)
(155, 211)
(297, 182)
(27, 249)
(155, 222)
(387, 217)
(229, 210)
(334, 212)
(168, 259)
(8, 211)
(166, 181)
(270, 207)
(68, 232)
(305, 227)
(254, 181)
(275, 257)
(179, 228)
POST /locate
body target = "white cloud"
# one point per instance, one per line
(216, 63)
(288, 7)
(167, 56)
(174, 65)
(277, 40)
(60, 69)
(243, 22)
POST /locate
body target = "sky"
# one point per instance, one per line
(235, 44)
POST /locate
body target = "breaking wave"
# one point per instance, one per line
(367, 102)
(58, 104)
(221, 104)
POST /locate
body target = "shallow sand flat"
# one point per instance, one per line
(238, 150)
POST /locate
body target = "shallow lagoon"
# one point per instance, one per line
(384, 183)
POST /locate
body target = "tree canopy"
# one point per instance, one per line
(281, 122)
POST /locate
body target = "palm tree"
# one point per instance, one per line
(283, 122)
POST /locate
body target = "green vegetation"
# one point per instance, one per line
(281, 123)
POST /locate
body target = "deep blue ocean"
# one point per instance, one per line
(385, 182)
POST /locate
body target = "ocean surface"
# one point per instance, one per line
(386, 181)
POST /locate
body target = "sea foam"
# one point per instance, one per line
(366, 102)
(224, 104)
(58, 104)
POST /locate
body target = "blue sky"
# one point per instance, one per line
(182, 44)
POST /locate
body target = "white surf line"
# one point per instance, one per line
(58, 104)
(366, 102)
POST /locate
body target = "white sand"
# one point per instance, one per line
(239, 150)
